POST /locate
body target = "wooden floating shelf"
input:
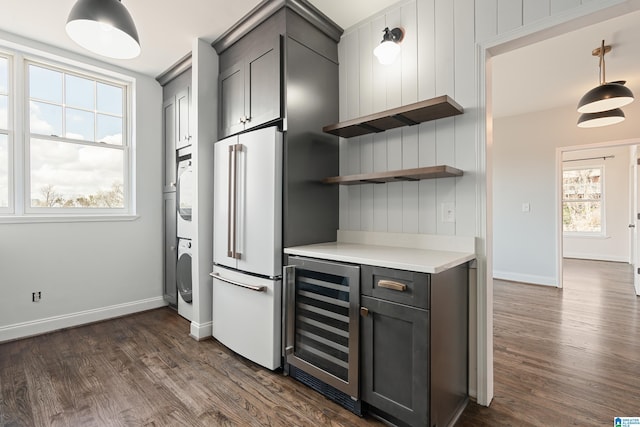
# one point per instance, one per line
(409, 115)
(415, 174)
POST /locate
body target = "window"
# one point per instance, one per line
(76, 146)
(75, 155)
(582, 200)
(5, 171)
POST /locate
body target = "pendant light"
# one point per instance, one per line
(601, 118)
(605, 96)
(389, 47)
(104, 27)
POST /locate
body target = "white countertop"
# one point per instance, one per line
(420, 260)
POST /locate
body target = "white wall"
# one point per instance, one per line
(524, 156)
(89, 271)
(615, 245)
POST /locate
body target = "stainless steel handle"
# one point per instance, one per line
(230, 212)
(236, 149)
(394, 286)
(242, 285)
(289, 288)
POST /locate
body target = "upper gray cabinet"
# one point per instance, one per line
(250, 90)
(183, 110)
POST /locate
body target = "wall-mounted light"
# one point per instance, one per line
(389, 47)
(104, 27)
(601, 105)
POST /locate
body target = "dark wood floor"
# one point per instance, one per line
(566, 356)
(144, 370)
(562, 357)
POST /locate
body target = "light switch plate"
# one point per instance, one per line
(526, 207)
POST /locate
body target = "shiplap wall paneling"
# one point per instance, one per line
(509, 15)
(380, 191)
(426, 131)
(558, 6)
(486, 24)
(427, 187)
(465, 124)
(426, 49)
(534, 10)
(366, 190)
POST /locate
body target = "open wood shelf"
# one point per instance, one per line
(412, 114)
(415, 174)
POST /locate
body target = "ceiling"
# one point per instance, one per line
(558, 71)
(166, 27)
(552, 73)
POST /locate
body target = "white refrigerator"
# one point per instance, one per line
(247, 248)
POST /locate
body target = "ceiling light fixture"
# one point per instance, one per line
(601, 118)
(104, 27)
(605, 96)
(389, 47)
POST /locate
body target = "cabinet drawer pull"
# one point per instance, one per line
(394, 286)
(364, 311)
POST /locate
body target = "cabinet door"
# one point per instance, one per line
(169, 137)
(262, 83)
(183, 106)
(231, 92)
(395, 359)
(170, 249)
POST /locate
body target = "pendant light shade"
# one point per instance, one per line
(104, 27)
(389, 47)
(601, 118)
(605, 96)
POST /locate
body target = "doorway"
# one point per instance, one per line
(611, 231)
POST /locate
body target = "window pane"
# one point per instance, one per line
(79, 92)
(4, 171)
(584, 217)
(109, 129)
(4, 76)
(109, 99)
(582, 184)
(46, 119)
(45, 84)
(73, 175)
(80, 124)
(4, 112)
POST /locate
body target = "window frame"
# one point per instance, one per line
(20, 209)
(602, 233)
(10, 208)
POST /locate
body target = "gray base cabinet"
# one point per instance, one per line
(414, 353)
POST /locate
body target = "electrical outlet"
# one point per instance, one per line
(448, 212)
(35, 296)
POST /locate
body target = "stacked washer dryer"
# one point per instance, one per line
(184, 203)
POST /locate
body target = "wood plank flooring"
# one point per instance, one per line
(144, 370)
(566, 356)
(562, 357)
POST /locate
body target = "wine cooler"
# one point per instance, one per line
(321, 327)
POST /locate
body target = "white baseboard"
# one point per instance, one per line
(50, 324)
(201, 331)
(525, 278)
(596, 257)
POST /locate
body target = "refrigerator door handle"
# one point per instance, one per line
(289, 284)
(230, 207)
(236, 149)
(242, 285)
